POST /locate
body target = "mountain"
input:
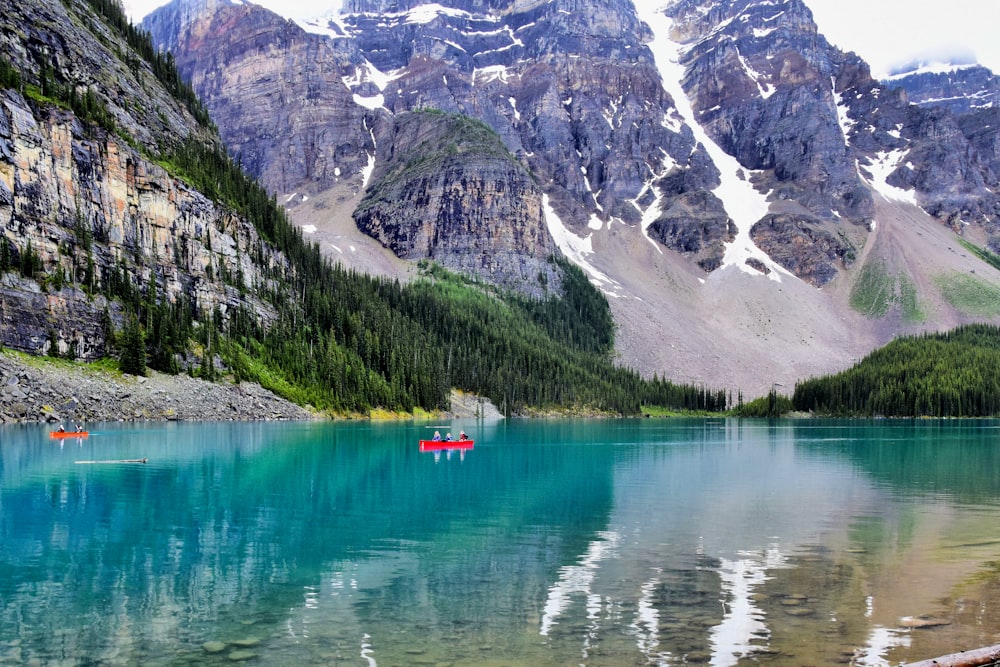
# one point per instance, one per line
(756, 206)
(958, 87)
(126, 231)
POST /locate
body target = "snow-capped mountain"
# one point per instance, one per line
(958, 87)
(727, 176)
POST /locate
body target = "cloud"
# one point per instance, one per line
(889, 33)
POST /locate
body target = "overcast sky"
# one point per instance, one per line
(891, 32)
(883, 32)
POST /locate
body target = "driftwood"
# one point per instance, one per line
(980, 657)
(118, 461)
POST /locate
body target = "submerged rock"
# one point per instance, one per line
(214, 647)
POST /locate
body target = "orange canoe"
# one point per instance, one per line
(441, 445)
(68, 434)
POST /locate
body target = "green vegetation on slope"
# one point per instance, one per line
(984, 254)
(876, 292)
(970, 294)
(953, 374)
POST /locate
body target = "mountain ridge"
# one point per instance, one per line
(826, 158)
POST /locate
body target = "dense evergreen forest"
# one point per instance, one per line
(344, 341)
(953, 374)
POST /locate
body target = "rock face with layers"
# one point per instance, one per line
(275, 92)
(960, 87)
(446, 188)
(91, 207)
(577, 95)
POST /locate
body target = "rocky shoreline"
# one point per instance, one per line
(38, 390)
(58, 392)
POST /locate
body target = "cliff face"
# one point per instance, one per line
(446, 188)
(960, 88)
(573, 95)
(95, 210)
(276, 92)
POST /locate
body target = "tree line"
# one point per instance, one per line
(951, 374)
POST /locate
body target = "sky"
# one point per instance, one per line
(885, 33)
(892, 32)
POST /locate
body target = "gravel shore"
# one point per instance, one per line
(39, 391)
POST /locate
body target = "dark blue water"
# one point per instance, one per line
(613, 542)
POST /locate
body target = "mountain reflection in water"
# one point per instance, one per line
(603, 542)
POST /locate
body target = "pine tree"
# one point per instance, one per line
(133, 349)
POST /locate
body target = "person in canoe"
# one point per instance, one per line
(437, 436)
(61, 429)
(447, 438)
(462, 436)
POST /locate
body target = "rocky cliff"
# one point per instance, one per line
(958, 87)
(86, 201)
(445, 187)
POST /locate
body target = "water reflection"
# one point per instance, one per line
(701, 541)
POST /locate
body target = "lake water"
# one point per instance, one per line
(615, 542)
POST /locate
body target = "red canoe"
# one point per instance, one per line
(440, 445)
(68, 434)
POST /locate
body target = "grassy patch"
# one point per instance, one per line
(970, 295)
(875, 291)
(912, 312)
(104, 366)
(984, 254)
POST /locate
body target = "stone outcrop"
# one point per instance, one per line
(574, 95)
(804, 246)
(276, 93)
(65, 176)
(696, 225)
(446, 188)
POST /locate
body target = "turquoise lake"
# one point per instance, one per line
(604, 542)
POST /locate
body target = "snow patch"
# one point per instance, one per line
(765, 89)
(329, 24)
(366, 171)
(930, 68)
(424, 14)
(881, 168)
(308, 229)
(843, 118)
(743, 203)
(377, 102)
(576, 248)
(649, 216)
(491, 73)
